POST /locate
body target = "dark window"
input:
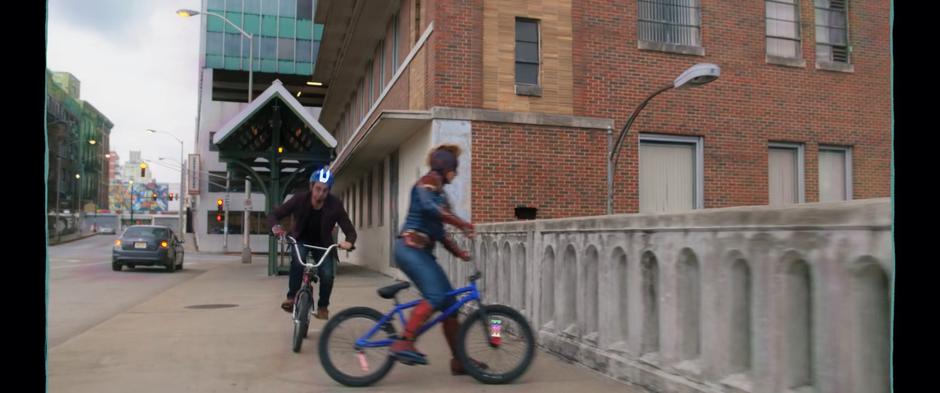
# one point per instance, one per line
(362, 188)
(831, 31)
(269, 7)
(233, 44)
(158, 233)
(285, 49)
(676, 22)
(369, 199)
(214, 226)
(213, 43)
(381, 185)
(395, 45)
(288, 8)
(269, 48)
(783, 28)
(252, 6)
(527, 51)
(303, 51)
(305, 9)
(217, 182)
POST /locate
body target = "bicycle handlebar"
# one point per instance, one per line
(296, 246)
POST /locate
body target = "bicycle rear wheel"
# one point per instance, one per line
(301, 319)
(342, 360)
(506, 346)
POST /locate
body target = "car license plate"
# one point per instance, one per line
(140, 245)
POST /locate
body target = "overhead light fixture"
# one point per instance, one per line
(314, 84)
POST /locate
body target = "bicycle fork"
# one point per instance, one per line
(491, 329)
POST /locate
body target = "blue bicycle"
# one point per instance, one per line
(353, 343)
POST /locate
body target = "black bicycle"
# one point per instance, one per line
(303, 303)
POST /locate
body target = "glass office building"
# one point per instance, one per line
(286, 40)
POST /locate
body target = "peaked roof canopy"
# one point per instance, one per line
(276, 90)
(276, 141)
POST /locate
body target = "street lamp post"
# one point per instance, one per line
(78, 202)
(182, 175)
(132, 200)
(251, 44)
(225, 224)
(696, 75)
(246, 247)
(58, 193)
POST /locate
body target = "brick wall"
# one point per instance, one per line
(753, 102)
(499, 54)
(456, 61)
(559, 170)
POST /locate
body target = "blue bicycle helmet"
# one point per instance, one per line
(322, 175)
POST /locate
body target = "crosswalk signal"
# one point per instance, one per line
(218, 218)
(170, 196)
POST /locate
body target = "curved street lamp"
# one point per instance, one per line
(694, 76)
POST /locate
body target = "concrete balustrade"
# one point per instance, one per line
(751, 299)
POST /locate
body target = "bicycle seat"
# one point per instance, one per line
(390, 291)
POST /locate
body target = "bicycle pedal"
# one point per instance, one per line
(409, 361)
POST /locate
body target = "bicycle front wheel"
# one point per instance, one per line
(343, 360)
(502, 351)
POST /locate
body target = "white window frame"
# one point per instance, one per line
(699, 160)
(848, 36)
(800, 165)
(382, 65)
(848, 166)
(799, 32)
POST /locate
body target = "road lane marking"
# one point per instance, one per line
(84, 264)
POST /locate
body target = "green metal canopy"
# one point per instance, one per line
(277, 142)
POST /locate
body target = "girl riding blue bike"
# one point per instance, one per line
(429, 210)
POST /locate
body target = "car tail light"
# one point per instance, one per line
(164, 244)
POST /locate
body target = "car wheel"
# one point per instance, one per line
(170, 266)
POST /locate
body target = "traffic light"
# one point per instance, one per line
(170, 196)
(143, 169)
(218, 204)
(153, 196)
(218, 218)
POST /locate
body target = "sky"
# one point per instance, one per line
(138, 64)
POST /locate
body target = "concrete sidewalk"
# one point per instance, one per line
(163, 346)
(54, 240)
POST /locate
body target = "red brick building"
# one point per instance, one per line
(800, 112)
